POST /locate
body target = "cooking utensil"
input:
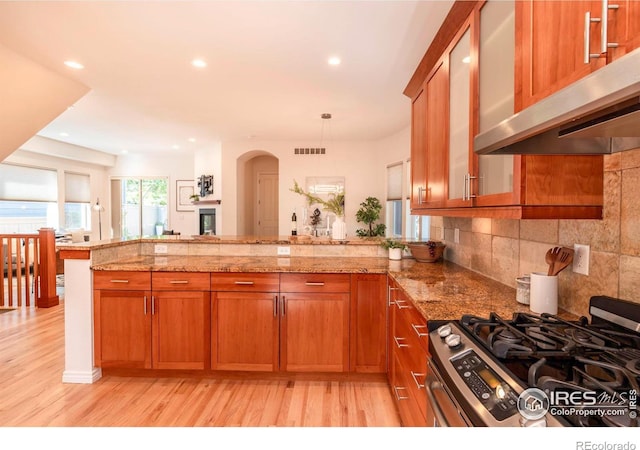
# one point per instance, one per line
(550, 258)
(564, 258)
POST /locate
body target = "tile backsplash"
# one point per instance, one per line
(505, 249)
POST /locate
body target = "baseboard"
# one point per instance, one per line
(75, 377)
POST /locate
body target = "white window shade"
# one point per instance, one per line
(394, 182)
(28, 184)
(76, 188)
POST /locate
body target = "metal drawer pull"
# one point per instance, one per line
(587, 37)
(119, 281)
(145, 305)
(604, 44)
(391, 302)
(399, 304)
(415, 378)
(178, 282)
(398, 343)
(314, 283)
(275, 306)
(415, 328)
(398, 388)
(244, 283)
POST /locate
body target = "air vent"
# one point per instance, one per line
(309, 151)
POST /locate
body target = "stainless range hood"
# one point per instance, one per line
(599, 114)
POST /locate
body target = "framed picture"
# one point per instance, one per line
(184, 191)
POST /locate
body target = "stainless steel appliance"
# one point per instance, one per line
(537, 370)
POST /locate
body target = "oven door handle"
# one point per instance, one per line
(430, 387)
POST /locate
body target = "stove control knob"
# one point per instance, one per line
(444, 330)
(453, 340)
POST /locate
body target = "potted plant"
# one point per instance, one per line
(368, 213)
(395, 248)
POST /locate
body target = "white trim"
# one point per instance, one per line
(77, 377)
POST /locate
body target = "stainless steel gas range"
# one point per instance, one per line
(537, 370)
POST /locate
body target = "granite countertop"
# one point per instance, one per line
(441, 290)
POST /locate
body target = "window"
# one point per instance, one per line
(28, 199)
(139, 206)
(394, 200)
(77, 202)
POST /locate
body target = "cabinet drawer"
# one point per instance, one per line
(411, 319)
(311, 282)
(245, 282)
(122, 280)
(180, 281)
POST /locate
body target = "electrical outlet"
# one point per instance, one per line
(581, 259)
(284, 251)
(456, 235)
(160, 248)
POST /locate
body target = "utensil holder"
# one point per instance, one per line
(543, 296)
(523, 289)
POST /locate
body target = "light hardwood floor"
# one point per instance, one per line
(32, 393)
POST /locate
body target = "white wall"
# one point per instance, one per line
(179, 166)
(359, 162)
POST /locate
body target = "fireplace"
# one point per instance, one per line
(208, 221)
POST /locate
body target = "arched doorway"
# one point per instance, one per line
(258, 185)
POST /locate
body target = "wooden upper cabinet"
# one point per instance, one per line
(624, 27)
(418, 150)
(550, 46)
(437, 133)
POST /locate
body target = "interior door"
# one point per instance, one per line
(267, 204)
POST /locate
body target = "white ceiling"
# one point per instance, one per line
(267, 73)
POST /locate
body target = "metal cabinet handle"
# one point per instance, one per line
(420, 191)
(275, 306)
(430, 387)
(415, 328)
(244, 283)
(415, 378)
(466, 194)
(119, 281)
(587, 37)
(399, 304)
(145, 305)
(178, 282)
(153, 305)
(284, 306)
(398, 343)
(391, 302)
(398, 396)
(604, 44)
(314, 283)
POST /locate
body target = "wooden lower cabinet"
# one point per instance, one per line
(122, 329)
(245, 335)
(408, 352)
(368, 337)
(314, 332)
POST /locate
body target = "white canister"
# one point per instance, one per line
(543, 296)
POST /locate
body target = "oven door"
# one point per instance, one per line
(442, 409)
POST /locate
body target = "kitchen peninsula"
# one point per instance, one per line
(438, 291)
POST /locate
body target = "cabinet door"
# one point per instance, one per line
(551, 47)
(624, 27)
(418, 151)
(245, 331)
(122, 329)
(368, 323)
(437, 91)
(180, 329)
(314, 332)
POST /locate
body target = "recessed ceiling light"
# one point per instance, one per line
(334, 61)
(466, 59)
(199, 63)
(73, 64)
(64, 134)
(192, 139)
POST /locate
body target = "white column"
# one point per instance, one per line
(78, 323)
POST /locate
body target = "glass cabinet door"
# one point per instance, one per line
(459, 98)
(496, 93)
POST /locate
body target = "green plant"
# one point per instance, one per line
(368, 213)
(392, 243)
(334, 204)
